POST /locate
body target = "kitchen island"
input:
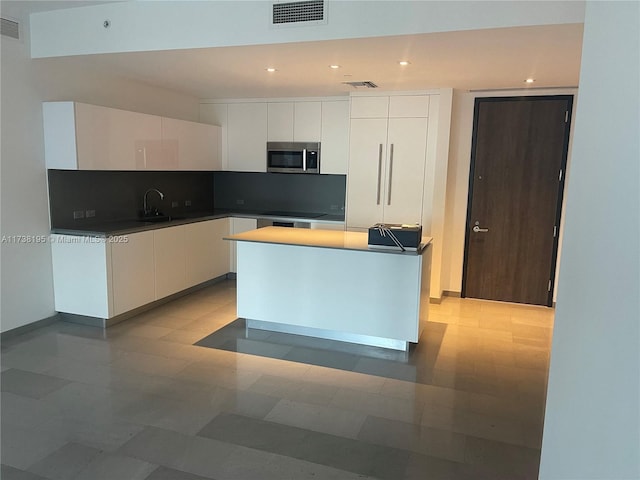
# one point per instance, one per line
(330, 284)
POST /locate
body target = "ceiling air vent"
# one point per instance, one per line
(366, 84)
(293, 13)
(10, 28)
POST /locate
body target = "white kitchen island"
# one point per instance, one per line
(330, 284)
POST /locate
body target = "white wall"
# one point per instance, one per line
(592, 422)
(26, 281)
(200, 24)
(458, 176)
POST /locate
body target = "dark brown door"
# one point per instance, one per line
(518, 157)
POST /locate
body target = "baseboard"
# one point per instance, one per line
(445, 293)
(14, 332)
(109, 322)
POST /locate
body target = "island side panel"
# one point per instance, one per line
(366, 293)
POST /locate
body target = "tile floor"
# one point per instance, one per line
(140, 401)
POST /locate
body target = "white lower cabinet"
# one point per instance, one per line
(133, 273)
(207, 254)
(102, 278)
(82, 275)
(239, 225)
(170, 259)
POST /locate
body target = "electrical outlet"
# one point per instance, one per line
(174, 204)
(187, 203)
(90, 213)
(77, 214)
(240, 201)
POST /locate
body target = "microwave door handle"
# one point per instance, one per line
(304, 159)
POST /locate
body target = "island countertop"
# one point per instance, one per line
(310, 237)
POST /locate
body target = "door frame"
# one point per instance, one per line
(563, 168)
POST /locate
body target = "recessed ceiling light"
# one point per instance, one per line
(335, 67)
(270, 69)
(403, 63)
(530, 80)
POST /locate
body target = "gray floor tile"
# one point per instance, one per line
(22, 447)
(319, 418)
(254, 433)
(406, 436)
(157, 445)
(66, 462)
(330, 450)
(10, 473)
(24, 412)
(111, 467)
(342, 361)
(28, 384)
(501, 458)
(423, 467)
(164, 473)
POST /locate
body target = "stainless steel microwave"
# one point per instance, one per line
(293, 157)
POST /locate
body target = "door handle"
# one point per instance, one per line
(390, 173)
(477, 229)
(379, 173)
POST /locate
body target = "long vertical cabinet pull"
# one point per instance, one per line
(390, 173)
(379, 173)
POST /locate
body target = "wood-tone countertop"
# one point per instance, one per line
(311, 237)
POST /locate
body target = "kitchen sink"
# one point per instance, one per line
(155, 218)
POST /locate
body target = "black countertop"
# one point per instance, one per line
(127, 226)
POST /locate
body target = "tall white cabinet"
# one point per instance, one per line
(398, 157)
(387, 155)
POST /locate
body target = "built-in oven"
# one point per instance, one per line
(293, 157)
(264, 222)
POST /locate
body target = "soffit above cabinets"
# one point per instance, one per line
(475, 56)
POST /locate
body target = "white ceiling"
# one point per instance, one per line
(469, 60)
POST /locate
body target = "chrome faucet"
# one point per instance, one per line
(145, 209)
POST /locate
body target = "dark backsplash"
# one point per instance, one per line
(297, 192)
(117, 195)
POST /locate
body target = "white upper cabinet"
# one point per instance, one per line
(307, 121)
(248, 126)
(369, 107)
(294, 121)
(280, 122)
(404, 106)
(247, 137)
(216, 114)
(79, 136)
(334, 148)
(87, 137)
(191, 145)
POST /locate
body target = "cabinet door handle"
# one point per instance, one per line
(390, 173)
(379, 173)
